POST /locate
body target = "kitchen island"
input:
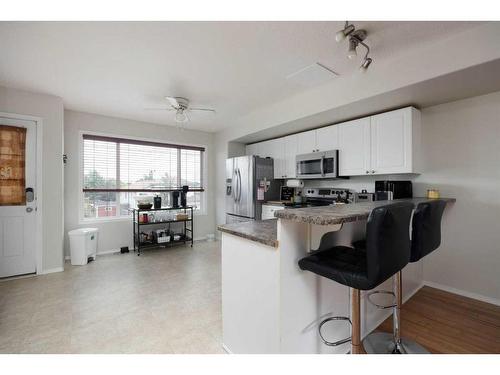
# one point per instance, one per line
(269, 305)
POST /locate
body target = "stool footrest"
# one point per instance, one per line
(335, 343)
(381, 292)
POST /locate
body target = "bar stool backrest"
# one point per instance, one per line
(388, 240)
(426, 228)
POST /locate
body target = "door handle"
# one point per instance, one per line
(29, 209)
(235, 192)
(239, 185)
(30, 194)
(322, 166)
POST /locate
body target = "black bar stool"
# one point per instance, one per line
(387, 252)
(426, 237)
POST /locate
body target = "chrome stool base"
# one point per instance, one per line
(383, 343)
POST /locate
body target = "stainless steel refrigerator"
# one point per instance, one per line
(249, 183)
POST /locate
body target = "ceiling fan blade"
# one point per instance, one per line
(173, 101)
(202, 109)
(159, 109)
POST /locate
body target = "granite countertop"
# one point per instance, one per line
(331, 215)
(262, 231)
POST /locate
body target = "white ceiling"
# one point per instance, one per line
(119, 68)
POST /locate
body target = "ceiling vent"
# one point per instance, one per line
(312, 75)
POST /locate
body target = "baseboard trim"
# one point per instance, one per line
(479, 297)
(226, 349)
(105, 252)
(52, 270)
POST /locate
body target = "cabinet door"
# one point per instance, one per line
(327, 138)
(306, 142)
(391, 142)
(354, 147)
(265, 149)
(275, 148)
(290, 154)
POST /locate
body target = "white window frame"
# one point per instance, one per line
(83, 220)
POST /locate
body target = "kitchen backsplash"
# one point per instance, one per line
(357, 183)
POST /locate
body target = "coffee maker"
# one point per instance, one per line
(175, 199)
(184, 191)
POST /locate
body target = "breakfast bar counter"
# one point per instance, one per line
(262, 231)
(339, 214)
(269, 305)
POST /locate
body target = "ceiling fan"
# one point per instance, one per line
(181, 108)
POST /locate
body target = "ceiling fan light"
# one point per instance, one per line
(180, 116)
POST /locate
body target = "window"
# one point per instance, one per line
(117, 173)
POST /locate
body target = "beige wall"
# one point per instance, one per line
(50, 109)
(114, 234)
(461, 152)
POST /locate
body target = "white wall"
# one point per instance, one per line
(461, 153)
(461, 157)
(50, 109)
(117, 233)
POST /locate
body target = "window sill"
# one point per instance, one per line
(119, 219)
(104, 220)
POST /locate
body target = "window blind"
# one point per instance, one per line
(122, 165)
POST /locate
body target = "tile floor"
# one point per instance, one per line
(165, 301)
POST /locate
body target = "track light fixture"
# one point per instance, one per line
(356, 37)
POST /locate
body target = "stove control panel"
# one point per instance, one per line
(335, 194)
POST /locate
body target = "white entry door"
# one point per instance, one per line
(18, 222)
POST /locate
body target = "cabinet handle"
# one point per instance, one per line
(373, 171)
(367, 172)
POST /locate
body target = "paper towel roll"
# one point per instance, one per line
(295, 183)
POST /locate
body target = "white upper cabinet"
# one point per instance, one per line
(275, 148)
(392, 141)
(323, 139)
(290, 154)
(306, 142)
(354, 147)
(382, 144)
(327, 138)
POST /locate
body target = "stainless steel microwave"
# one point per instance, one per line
(318, 164)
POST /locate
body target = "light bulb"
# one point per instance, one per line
(351, 54)
(180, 116)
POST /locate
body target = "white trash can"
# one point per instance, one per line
(83, 245)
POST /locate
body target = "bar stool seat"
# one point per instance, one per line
(342, 264)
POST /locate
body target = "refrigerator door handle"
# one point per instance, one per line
(235, 193)
(239, 185)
